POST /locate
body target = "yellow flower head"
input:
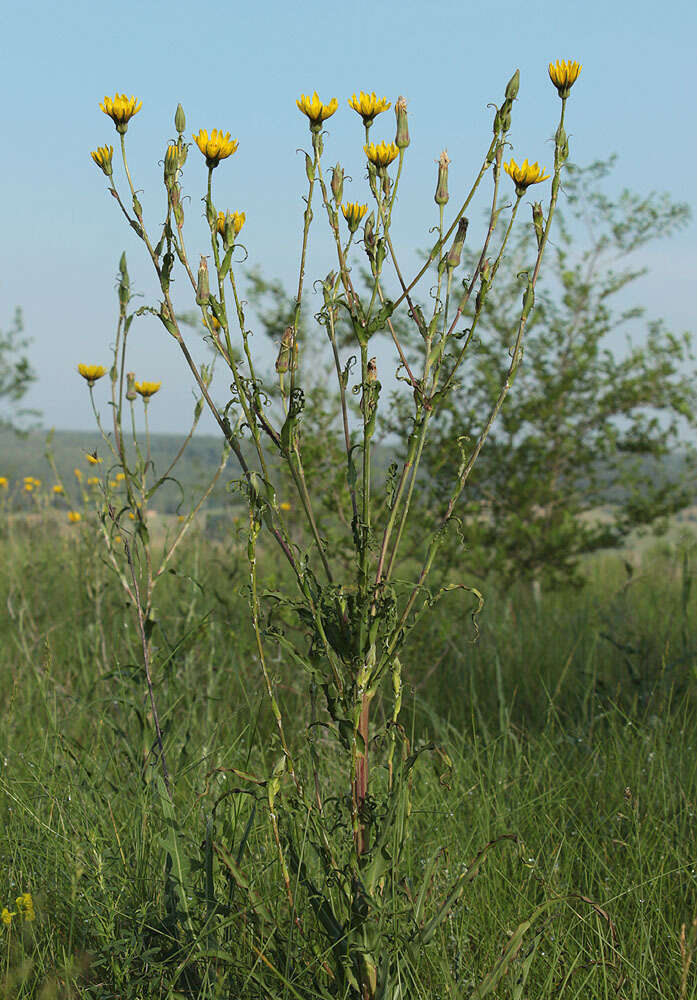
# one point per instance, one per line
(74, 516)
(25, 905)
(229, 225)
(93, 458)
(29, 487)
(215, 147)
(121, 109)
(6, 916)
(102, 156)
(315, 110)
(93, 480)
(369, 106)
(284, 506)
(58, 489)
(120, 476)
(353, 213)
(381, 155)
(78, 475)
(525, 174)
(4, 482)
(147, 389)
(91, 373)
(564, 75)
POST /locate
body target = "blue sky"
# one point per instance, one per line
(240, 67)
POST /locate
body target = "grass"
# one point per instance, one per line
(570, 727)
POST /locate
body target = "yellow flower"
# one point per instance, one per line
(29, 487)
(285, 505)
(78, 475)
(120, 476)
(217, 147)
(117, 539)
(131, 515)
(58, 489)
(25, 904)
(564, 75)
(369, 106)
(353, 213)
(181, 517)
(93, 458)
(6, 916)
(147, 389)
(315, 110)
(91, 373)
(74, 516)
(121, 109)
(93, 480)
(102, 156)
(381, 155)
(229, 225)
(525, 174)
(4, 482)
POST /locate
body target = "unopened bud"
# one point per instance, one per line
(538, 222)
(486, 272)
(131, 386)
(180, 119)
(402, 136)
(171, 164)
(124, 282)
(441, 196)
(203, 292)
(369, 234)
(338, 183)
(458, 243)
(287, 353)
(512, 86)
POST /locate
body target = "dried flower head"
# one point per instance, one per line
(216, 147)
(147, 389)
(91, 373)
(121, 109)
(564, 75)
(381, 155)
(315, 110)
(369, 106)
(102, 156)
(525, 174)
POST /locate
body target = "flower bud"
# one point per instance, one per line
(131, 386)
(171, 164)
(180, 119)
(402, 136)
(124, 282)
(441, 196)
(369, 234)
(203, 292)
(287, 353)
(512, 86)
(458, 243)
(538, 222)
(338, 183)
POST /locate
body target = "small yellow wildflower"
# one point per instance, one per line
(74, 516)
(284, 506)
(4, 482)
(93, 480)
(112, 483)
(216, 147)
(29, 487)
(381, 155)
(91, 373)
(58, 489)
(147, 389)
(93, 458)
(117, 539)
(131, 515)
(121, 109)
(78, 475)
(229, 225)
(181, 517)
(353, 213)
(6, 916)
(120, 476)
(525, 174)
(315, 110)
(564, 75)
(102, 156)
(369, 106)
(25, 905)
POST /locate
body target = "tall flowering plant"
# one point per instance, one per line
(339, 841)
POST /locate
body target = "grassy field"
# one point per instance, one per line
(570, 726)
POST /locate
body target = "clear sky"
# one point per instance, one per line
(240, 67)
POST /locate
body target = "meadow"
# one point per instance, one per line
(566, 754)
